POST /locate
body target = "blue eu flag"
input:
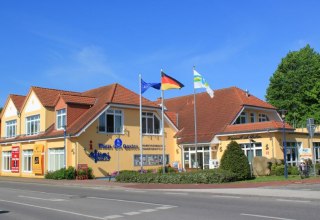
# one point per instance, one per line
(145, 86)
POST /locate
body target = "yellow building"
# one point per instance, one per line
(234, 114)
(50, 129)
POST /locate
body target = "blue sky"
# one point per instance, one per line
(79, 45)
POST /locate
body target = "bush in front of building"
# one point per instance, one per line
(200, 177)
(235, 160)
(293, 170)
(56, 175)
(167, 169)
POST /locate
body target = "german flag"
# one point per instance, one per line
(168, 82)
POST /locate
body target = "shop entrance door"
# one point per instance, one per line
(199, 160)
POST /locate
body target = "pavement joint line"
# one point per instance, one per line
(290, 200)
(265, 216)
(231, 197)
(113, 216)
(131, 213)
(176, 193)
(136, 191)
(52, 209)
(128, 201)
(37, 198)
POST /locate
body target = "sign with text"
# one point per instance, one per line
(37, 159)
(305, 153)
(15, 154)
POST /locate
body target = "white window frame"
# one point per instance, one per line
(254, 147)
(316, 149)
(150, 115)
(11, 128)
(263, 117)
(115, 113)
(33, 121)
(27, 155)
(55, 155)
(252, 117)
(242, 116)
(61, 117)
(6, 161)
(290, 146)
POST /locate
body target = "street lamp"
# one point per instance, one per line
(65, 146)
(283, 115)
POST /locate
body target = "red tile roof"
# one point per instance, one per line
(213, 115)
(17, 101)
(77, 99)
(258, 126)
(48, 97)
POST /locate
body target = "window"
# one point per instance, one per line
(61, 118)
(27, 161)
(6, 160)
(252, 117)
(316, 147)
(33, 125)
(150, 159)
(111, 121)
(292, 152)
(263, 117)
(11, 128)
(242, 119)
(252, 151)
(150, 123)
(56, 159)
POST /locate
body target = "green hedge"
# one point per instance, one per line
(205, 176)
(69, 174)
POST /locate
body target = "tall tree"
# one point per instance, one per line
(295, 86)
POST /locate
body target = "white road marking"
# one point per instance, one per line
(265, 216)
(148, 210)
(166, 207)
(176, 193)
(129, 201)
(33, 191)
(231, 197)
(113, 216)
(288, 200)
(47, 208)
(132, 213)
(37, 198)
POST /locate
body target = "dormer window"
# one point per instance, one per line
(61, 119)
(242, 119)
(150, 123)
(11, 128)
(33, 125)
(263, 117)
(111, 121)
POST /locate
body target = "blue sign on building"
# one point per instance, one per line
(98, 156)
(117, 143)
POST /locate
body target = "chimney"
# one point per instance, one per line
(247, 93)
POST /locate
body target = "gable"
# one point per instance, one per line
(10, 110)
(32, 104)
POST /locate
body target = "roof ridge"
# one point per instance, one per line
(58, 90)
(79, 95)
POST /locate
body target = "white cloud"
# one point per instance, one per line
(85, 65)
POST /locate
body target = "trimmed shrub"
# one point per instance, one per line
(90, 173)
(203, 176)
(279, 170)
(70, 173)
(167, 169)
(235, 161)
(293, 170)
(56, 175)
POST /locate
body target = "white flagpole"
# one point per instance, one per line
(195, 123)
(140, 117)
(163, 140)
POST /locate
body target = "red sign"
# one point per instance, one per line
(15, 154)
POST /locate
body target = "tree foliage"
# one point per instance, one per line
(295, 86)
(234, 160)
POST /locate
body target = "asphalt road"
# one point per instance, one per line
(41, 201)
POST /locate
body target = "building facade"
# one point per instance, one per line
(50, 129)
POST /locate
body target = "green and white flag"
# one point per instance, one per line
(200, 82)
